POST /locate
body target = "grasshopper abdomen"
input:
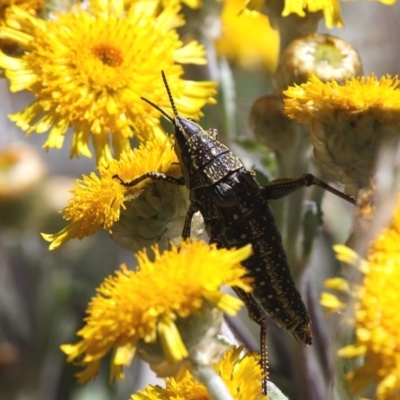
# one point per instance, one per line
(236, 212)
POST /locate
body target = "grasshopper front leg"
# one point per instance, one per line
(153, 175)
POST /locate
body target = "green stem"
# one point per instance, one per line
(293, 162)
(213, 382)
(228, 93)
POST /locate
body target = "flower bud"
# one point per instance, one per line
(326, 56)
(269, 123)
(157, 215)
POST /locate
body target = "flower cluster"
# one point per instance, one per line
(92, 70)
(376, 319)
(241, 373)
(125, 315)
(99, 202)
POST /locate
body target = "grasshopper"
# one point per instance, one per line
(236, 212)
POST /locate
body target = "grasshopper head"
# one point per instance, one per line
(185, 128)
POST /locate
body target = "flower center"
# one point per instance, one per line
(328, 52)
(108, 55)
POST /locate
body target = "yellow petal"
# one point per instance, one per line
(331, 302)
(171, 341)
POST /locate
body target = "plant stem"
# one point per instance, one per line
(213, 382)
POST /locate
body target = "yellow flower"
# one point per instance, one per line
(98, 201)
(34, 6)
(125, 315)
(247, 38)
(98, 4)
(88, 71)
(347, 123)
(241, 373)
(330, 9)
(376, 317)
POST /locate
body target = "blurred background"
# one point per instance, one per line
(43, 294)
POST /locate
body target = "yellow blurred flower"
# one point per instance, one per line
(125, 315)
(88, 70)
(387, 2)
(34, 6)
(98, 201)
(247, 38)
(241, 373)
(376, 317)
(330, 9)
(99, 4)
(348, 123)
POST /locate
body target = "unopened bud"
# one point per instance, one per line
(326, 56)
(157, 215)
(270, 124)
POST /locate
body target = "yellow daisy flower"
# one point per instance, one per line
(34, 6)
(99, 201)
(348, 123)
(241, 373)
(88, 71)
(376, 317)
(330, 9)
(247, 38)
(125, 315)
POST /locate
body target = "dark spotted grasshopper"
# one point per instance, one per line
(236, 212)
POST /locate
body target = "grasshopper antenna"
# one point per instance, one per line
(166, 115)
(171, 99)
